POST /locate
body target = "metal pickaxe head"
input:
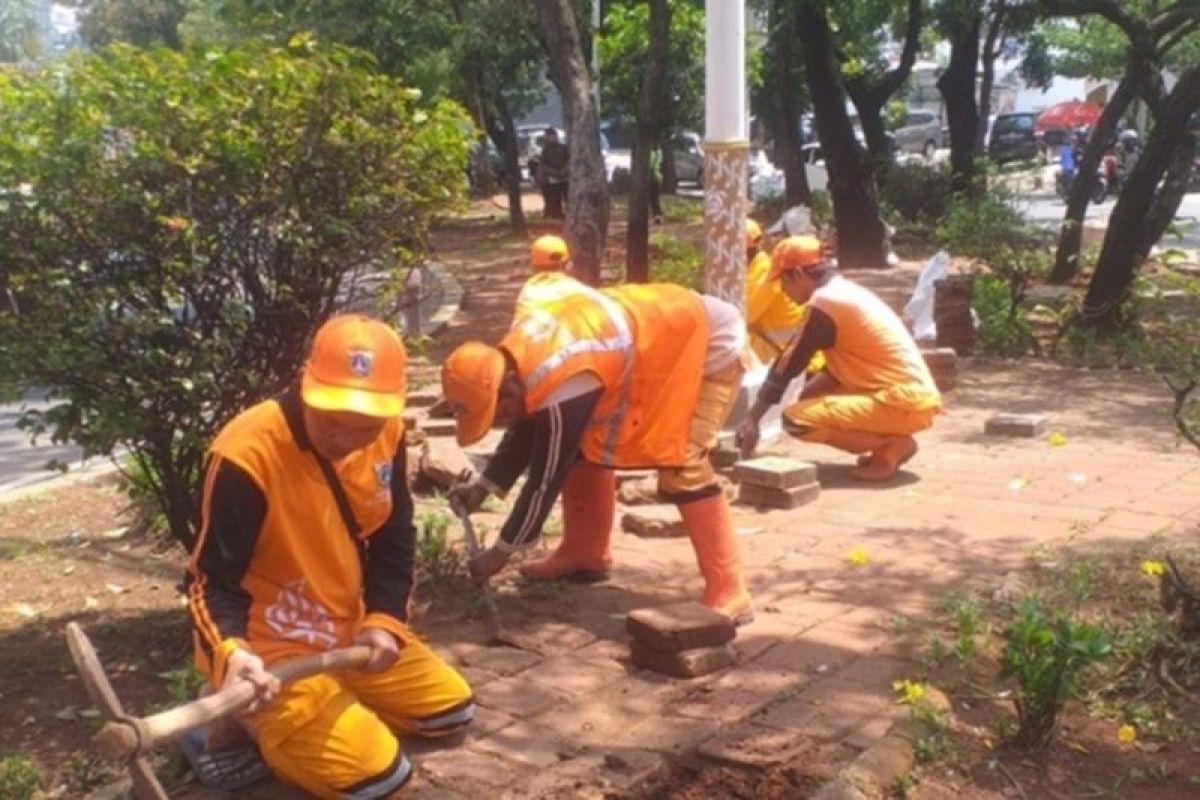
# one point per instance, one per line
(145, 783)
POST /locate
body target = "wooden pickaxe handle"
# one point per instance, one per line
(131, 736)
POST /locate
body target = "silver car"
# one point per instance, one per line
(920, 133)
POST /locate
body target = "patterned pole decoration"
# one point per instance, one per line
(726, 149)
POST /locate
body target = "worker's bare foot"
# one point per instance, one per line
(886, 460)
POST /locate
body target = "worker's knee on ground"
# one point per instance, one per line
(450, 721)
(335, 749)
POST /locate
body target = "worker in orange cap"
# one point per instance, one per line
(876, 390)
(588, 381)
(772, 318)
(549, 253)
(306, 544)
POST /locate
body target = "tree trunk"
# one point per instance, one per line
(587, 195)
(860, 233)
(993, 43)
(870, 117)
(1126, 243)
(504, 134)
(788, 150)
(957, 86)
(1066, 258)
(637, 257)
(670, 179)
(1170, 194)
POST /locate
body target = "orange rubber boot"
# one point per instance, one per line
(589, 504)
(709, 523)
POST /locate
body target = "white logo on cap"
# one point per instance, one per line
(361, 361)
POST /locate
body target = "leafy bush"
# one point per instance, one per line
(917, 197)
(184, 221)
(1046, 658)
(19, 777)
(673, 260)
(1003, 330)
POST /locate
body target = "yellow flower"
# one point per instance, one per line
(1152, 567)
(909, 691)
(1057, 439)
(1127, 734)
(858, 557)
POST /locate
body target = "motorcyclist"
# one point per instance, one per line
(1129, 148)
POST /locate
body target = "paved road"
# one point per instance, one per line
(22, 463)
(1048, 209)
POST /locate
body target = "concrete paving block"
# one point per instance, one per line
(943, 358)
(1020, 425)
(764, 497)
(438, 427)
(500, 660)
(684, 664)
(654, 522)
(641, 492)
(679, 626)
(750, 745)
(724, 458)
(773, 472)
(422, 398)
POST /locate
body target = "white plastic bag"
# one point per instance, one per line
(918, 312)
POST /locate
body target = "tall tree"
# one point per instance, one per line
(145, 23)
(782, 97)
(648, 132)
(587, 198)
(998, 22)
(860, 233)
(869, 82)
(1144, 208)
(1104, 39)
(961, 22)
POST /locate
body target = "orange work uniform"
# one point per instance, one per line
(276, 568)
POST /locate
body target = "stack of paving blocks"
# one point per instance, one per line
(1024, 426)
(943, 364)
(774, 482)
(684, 640)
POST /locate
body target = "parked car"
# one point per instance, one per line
(1013, 138)
(688, 153)
(919, 133)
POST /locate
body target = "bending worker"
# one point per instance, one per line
(875, 391)
(588, 381)
(306, 544)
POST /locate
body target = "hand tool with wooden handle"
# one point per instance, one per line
(131, 736)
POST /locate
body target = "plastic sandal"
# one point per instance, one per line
(228, 770)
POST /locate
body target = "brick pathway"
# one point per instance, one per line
(572, 718)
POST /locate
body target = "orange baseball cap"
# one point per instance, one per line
(753, 233)
(549, 252)
(795, 252)
(471, 380)
(356, 364)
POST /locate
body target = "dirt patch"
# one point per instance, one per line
(791, 782)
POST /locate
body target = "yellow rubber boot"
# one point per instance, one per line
(589, 505)
(709, 524)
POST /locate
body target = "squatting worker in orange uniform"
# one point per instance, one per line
(875, 391)
(588, 381)
(549, 253)
(279, 570)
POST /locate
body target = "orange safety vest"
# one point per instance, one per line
(305, 580)
(874, 352)
(645, 343)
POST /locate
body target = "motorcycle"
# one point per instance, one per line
(1067, 172)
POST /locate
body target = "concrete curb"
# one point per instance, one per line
(452, 295)
(25, 489)
(876, 769)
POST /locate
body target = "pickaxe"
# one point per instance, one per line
(123, 737)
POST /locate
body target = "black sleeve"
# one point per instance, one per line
(555, 436)
(511, 456)
(234, 508)
(388, 578)
(818, 333)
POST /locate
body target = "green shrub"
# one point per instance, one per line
(184, 221)
(675, 261)
(917, 197)
(1046, 658)
(1003, 329)
(19, 777)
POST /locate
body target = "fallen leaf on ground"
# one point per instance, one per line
(1017, 484)
(858, 557)
(115, 588)
(1127, 734)
(90, 603)
(1057, 439)
(24, 610)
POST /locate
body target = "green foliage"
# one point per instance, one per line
(144, 23)
(624, 50)
(673, 260)
(822, 209)
(967, 614)
(916, 197)
(1002, 330)
(18, 30)
(183, 683)
(435, 558)
(184, 221)
(19, 777)
(1046, 658)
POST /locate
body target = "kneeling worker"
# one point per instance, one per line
(588, 381)
(306, 544)
(876, 390)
